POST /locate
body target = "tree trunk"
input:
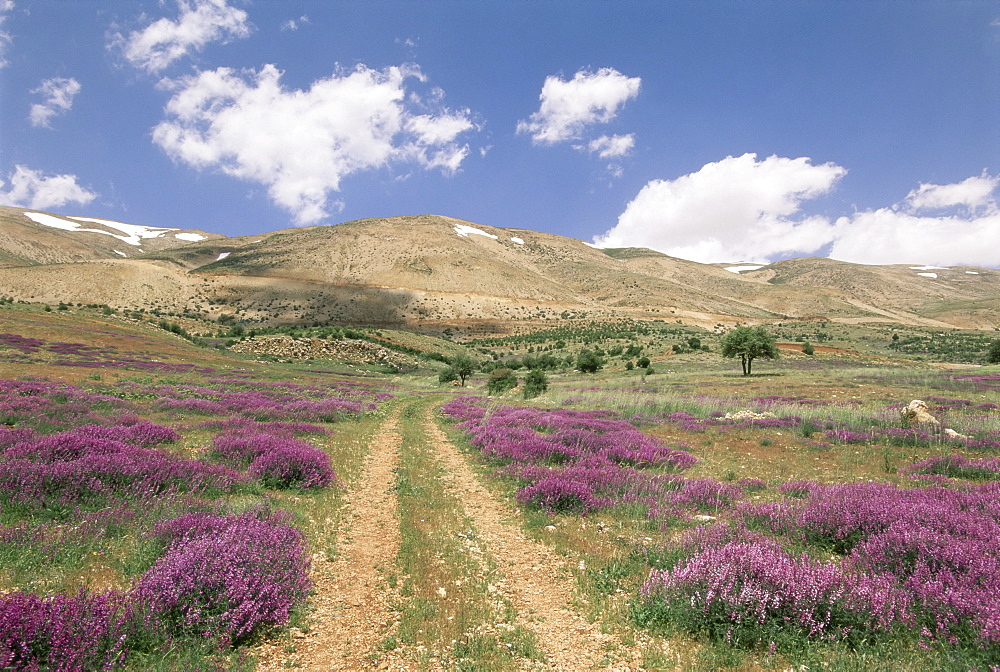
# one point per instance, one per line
(749, 365)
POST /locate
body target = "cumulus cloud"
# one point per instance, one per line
(888, 236)
(742, 209)
(612, 146)
(57, 98)
(738, 208)
(199, 23)
(973, 193)
(301, 144)
(569, 107)
(6, 6)
(37, 191)
(967, 233)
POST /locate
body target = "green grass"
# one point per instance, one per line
(450, 613)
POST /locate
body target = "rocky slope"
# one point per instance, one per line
(430, 271)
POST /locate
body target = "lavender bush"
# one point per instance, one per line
(78, 633)
(578, 462)
(224, 577)
(940, 545)
(276, 461)
(955, 466)
(751, 592)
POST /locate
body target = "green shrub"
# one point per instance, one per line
(589, 361)
(535, 383)
(500, 380)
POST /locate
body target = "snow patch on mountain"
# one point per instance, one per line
(464, 231)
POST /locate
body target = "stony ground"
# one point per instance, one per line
(352, 601)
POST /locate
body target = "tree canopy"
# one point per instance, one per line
(749, 343)
(463, 366)
(993, 355)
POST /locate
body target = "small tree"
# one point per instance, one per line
(501, 380)
(643, 362)
(447, 375)
(749, 344)
(535, 383)
(589, 361)
(808, 348)
(993, 355)
(464, 366)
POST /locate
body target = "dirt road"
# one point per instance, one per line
(353, 601)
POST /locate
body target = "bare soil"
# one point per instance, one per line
(352, 611)
(352, 602)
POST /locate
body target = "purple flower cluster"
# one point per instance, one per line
(277, 461)
(941, 546)
(223, 577)
(978, 382)
(91, 464)
(22, 343)
(848, 437)
(47, 405)
(576, 461)
(955, 466)
(743, 588)
(66, 633)
(304, 403)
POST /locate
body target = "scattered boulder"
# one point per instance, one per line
(918, 413)
(952, 434)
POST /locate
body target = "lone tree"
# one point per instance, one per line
(463, 366)
(993, 355)
(748, 344)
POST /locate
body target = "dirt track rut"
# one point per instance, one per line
(352, 601)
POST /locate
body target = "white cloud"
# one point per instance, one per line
(741, 208)
(293, 24)
(300, 144)
(569, 107)
(58, 94)
(735, 209)
(973, 193)
(32, 189)
(612, 146)
(888, 236)
(5, 37)
(199, 23)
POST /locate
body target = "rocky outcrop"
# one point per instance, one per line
(748, 415)
(349, 350)
(918, 413)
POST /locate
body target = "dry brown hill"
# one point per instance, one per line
(430, 271)
(29, 237)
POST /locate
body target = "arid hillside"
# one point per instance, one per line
(430, 271)
(29, 237)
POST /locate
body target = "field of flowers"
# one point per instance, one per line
(162, 515)
(139, 525)
(862, 575)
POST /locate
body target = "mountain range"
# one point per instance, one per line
(431, 271)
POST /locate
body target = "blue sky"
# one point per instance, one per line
(715, 131)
